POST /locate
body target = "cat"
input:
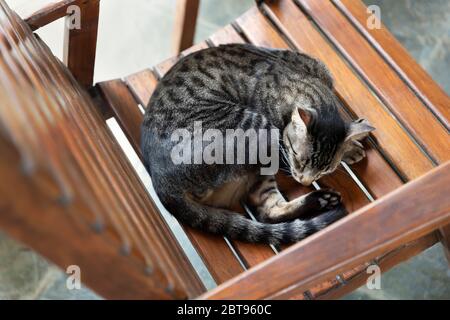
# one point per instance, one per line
(248, 87)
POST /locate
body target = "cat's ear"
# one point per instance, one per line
(302, 118)
(358, 130)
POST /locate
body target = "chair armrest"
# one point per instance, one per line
(51, 12)
(404, 215)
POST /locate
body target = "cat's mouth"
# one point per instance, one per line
(304, 180)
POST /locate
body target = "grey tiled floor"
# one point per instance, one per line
(422, 26)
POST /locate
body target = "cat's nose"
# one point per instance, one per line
(306, 181)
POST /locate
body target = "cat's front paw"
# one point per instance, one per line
(355, 154)
(324, 199)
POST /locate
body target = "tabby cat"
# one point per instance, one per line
(243, 86)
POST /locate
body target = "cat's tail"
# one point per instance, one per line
(236, 226)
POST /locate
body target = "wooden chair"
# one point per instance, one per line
(69, 192)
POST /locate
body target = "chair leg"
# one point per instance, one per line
(80, 41)
(444, 235)
(185, 22)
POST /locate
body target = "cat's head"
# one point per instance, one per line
(316, 143)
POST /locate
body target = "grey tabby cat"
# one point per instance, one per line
(243, 86)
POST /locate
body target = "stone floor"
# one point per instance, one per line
(423, 27)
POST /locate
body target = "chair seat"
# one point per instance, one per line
(411, 120)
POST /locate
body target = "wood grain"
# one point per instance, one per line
(444, 237)
(80, 44)
(123, 104)
(357, 277)
(185, 22)
(399, 59)
(51, 12)
(67, 141)
(142, 84)
(41, 223)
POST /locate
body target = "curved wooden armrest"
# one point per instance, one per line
(404, 215)
(51, 12)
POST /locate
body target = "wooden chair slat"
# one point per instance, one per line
(161, 68)
(401, 101)
(124, 107)
(142, 84)
(226, 35)
(399, 58)
(50, 13)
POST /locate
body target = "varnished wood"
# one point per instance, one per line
(119, 99)
(51, 12)
(357, 277)
(142, 85)
(185, 22)
(383, 225)
(75, 148)
(399, 58)
(80, 44)
(444, 237)
(41, 222)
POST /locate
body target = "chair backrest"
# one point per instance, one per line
(59, 158)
